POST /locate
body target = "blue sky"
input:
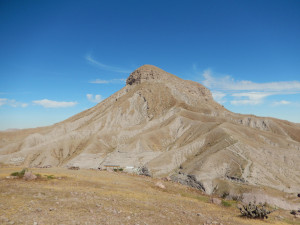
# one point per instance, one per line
(58, 58)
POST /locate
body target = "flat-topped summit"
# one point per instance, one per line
(184, 88)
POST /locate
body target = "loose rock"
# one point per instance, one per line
(29, 176)
(160, 185)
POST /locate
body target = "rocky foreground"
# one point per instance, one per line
(63, 196)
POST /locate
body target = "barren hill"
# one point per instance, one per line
(174, 128)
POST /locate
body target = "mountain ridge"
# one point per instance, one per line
(174, 128)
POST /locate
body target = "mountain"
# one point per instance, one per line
(174, 128)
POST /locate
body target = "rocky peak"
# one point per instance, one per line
(148, 73)
(184, 88)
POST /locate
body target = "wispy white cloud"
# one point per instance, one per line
(98, 81)
(3, 101)
(12, 103)
(219, 96)
(113, 81)
(249, 98)
(92, 98)
(282, 102)
(94, 62)
(228, 83)
(46, 103)
(246, 92)
(245, 102)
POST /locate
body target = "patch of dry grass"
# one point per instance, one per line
(98, 197)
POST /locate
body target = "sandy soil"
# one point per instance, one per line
(101, 197)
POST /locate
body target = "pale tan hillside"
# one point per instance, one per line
(174, 128)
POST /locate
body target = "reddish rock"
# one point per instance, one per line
(29, 176)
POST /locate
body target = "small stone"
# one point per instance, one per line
(216, 201)
(35, 223)
(39, 210)
(199, 214)
(160, 185)
(12, 177)
(51, 209)
(128, 217)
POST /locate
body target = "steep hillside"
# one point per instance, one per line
(174, 128)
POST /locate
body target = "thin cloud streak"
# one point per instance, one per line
(252, 98)
(46, 103)
(247, 92)
(105, 67)
(12, 103)
(113, 81)
(219, 96)
(229, 84)
(282, 102)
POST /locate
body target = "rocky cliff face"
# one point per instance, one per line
(174, 128)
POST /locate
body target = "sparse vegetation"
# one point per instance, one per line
(49, 176)
(80, 194)
(224, 195)
(202, 198)
(226, 203)
(255, 211)
(19, 174)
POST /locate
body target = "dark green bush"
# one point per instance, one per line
(252, 210)
(19, 174)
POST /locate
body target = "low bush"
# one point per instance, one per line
(226, 203)
(19, 174)
(253, 210)
(49, 176)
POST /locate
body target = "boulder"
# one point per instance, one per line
(29, 176)
(216, 201)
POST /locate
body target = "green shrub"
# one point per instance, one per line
(252, 210)
(226, 203)
(19, 174)
(49, 176)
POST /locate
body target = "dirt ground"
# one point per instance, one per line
(101, 197)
